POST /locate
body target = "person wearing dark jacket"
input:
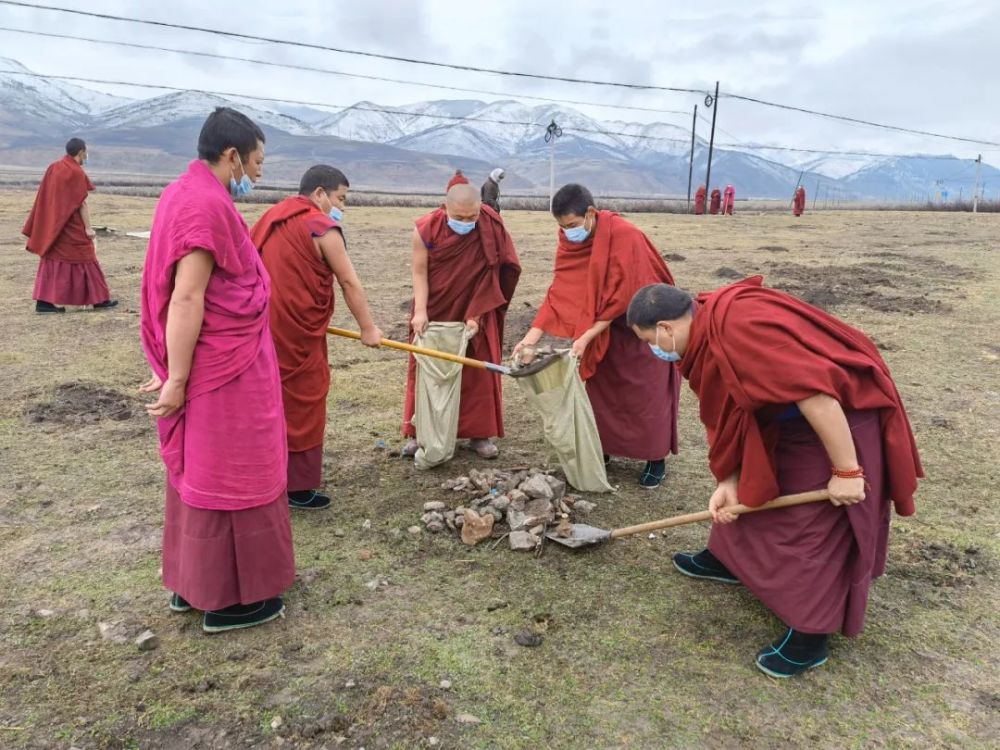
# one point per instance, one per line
(490, 190)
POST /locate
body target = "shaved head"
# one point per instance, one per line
(462, 197)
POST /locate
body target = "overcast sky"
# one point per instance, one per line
(926, 65)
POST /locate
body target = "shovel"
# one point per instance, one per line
(536, 366)
(584, 535)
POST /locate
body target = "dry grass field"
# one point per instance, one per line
(634, 655)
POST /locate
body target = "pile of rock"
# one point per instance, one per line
(520, 504)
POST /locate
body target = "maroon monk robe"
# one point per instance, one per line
(634, 395)
(302, 303)
(68, 271)
(469, 277)
(752, 354)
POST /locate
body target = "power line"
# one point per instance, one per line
(344, 51)
(314, 69)
(492, 71)
(856, 121)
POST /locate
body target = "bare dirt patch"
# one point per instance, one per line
(79, 402)
(941, 564)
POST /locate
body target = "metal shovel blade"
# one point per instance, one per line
(535, 366)
(583, 535)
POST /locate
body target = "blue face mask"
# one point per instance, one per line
(671, 356)
(461, 227)
(577, 234)
(241, 188)
(336, 214)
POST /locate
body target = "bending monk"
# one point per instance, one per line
(792, 400)
(59, 232)
(601, 261)
(227, 540)
(302, 244)
(465, 269)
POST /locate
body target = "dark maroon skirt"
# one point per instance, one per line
(634, 396)
(217, 558)
(813, 565)
(64, 283)
(305, 469)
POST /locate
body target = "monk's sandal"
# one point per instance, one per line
(653, 474)
(308, 500)
(179, 604)
(45, 308)
(243, 615)
(703, 565)
(793, 654)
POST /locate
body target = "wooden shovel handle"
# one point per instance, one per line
(388, 343)
(781, 502)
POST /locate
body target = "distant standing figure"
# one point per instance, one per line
(490, 192)
(716, 202)
(799, 201)
(59, 232)
(457, 179)
(699, 200)
(728, 199)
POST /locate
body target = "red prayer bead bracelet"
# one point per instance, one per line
(858, 473)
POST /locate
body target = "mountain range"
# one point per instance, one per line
(415, 148)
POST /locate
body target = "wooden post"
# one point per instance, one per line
(694, 122)
(711, 139)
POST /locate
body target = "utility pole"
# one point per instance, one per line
(694, 122)
(552, 132)
(975, 193)
(712, 102)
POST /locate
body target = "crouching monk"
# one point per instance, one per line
(792, 400)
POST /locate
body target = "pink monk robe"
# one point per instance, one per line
(226, 449)
(227, 538)
(68, 271)
(634, 395)
(470, 277)
(728, 200)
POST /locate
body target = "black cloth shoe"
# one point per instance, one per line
(47, 307)
(106, 305)
(607, 459)
(652, 475)
(179, 604)
(308, 500)
(793, 654)
(243, 615)
(703, 565)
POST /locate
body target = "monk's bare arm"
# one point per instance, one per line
(85, 216)
(331, 245)
(581, 344)
(826, 416)
(184, 318)
(421, 290)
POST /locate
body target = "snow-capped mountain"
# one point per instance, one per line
(184, 105)
(413, 146)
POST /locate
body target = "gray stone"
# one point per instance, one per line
(501, 503)
(147, 641)
(415, 530)
(537, 487)
(339, 533)
(459, 520)
(558, 486)
(468, 719)
(528, 639)
(446, 684)
(522, 541)
(435, 505)
(537, 531)
(493, 511)
(432, 517)
(516, 496)
(113, 631)
(516, 519)
(583, 507)
(435, 526)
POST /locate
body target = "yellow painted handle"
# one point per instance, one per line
(388, 343)
(781, 502)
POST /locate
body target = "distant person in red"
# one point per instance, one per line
(792, 400)
(59, 232)
(728, 200)
(699, 200)
(601, 261)
(465, 269)
(716, 203)
(302, 244)
(799, 201)
(457, 179)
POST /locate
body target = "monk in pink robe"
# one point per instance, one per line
(227, 545)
